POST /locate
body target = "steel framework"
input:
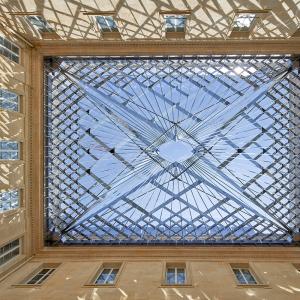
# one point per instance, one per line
(113, 129)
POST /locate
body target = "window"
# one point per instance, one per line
(40, 23)
(244, 276)
(9, 50)
(9, 251)
(243, 21)
(175, 275)
(175, 23)
(9, 150)
(107, 276)
(9, 200)
(40, 276)
(106, 23)
(9, 100)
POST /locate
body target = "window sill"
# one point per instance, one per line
(261, 285)
(176, 285)
(27, 285)
(99, 286)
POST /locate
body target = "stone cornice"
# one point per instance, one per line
(234, 253)
(165, 47)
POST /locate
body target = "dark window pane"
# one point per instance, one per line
(239, 276)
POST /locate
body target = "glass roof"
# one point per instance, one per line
(171, 150)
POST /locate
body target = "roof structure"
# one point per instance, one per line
(171, 150)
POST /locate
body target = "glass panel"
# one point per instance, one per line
(41, 276)
(9, 200)
(9, 100)
(175, 23)
(112, 277)
(180, 276)
(40, 23)
(249, 277)
(171, 276)
(243, 22)
(239, 276)
(102, 279)
(9, 251)
(107, 23)
(35, 279)
(9, 50)
(9, 150)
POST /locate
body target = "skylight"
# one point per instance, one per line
(40, 23)
(107, 23)
(175, 23)
(243, 21)
(171, 150)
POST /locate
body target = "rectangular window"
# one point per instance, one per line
(175, 275)
(40, 276)
(9, 150)
(107, 276)
(243, 21)
(106, 23)
(40, 23)
(175, 23)
(9, 50)
(9, 100)
(9, 200)
(9, 251)
(244, 276)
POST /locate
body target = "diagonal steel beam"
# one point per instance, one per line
(212, 124)
(224, 185)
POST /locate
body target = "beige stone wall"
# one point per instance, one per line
(11, 126)
(11, 175)
(15, 78)
(141, 280)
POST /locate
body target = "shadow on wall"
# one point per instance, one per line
(11, 126)
(138, 19)
(11, 174)
(12, 75)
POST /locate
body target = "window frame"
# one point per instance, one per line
(177, 265)
(245, 28)
(10, 101)
(18, 190)
(105, 34)
(259, 281)
(241, 272)
(30, 276)
(177, 18)
(96, 274)
(43, 278)
(42, 30)
(174, 34)
(10, 51)
(107, 29)
(13, 258)
(175, 275)
(11, 151)
(246, 33)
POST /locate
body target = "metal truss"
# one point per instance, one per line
(107, 120)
